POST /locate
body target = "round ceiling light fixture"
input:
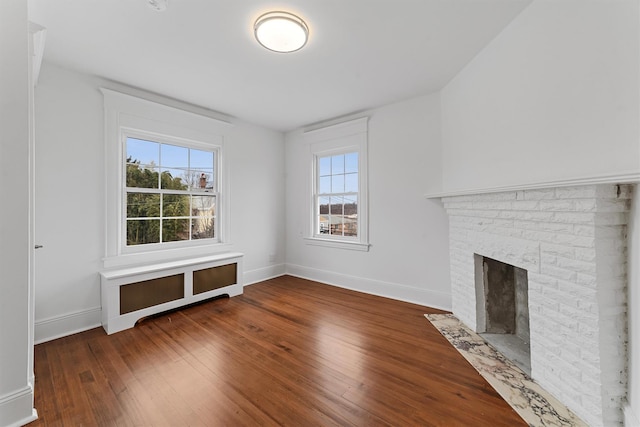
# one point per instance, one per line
(158, 5)
(281, 32)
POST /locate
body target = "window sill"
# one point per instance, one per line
(164, 255)
(340, 244)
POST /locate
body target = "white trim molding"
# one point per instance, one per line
(401, 292)
(258, 275)
(327, 243)
(67, 324)
(341, 138)
(128, 112)
(621, 178)
(17, 402)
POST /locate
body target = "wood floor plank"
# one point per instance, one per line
(287, 352)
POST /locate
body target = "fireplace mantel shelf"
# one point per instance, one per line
(623, 178)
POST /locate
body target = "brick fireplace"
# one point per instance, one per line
(572, 243)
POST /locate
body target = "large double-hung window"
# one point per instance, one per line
(166, 191)
(170, 192)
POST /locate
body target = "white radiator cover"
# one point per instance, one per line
(572, 242)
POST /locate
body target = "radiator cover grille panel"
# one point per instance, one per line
(139, 295)
(214, 278)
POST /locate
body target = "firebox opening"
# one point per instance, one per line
(503, 309)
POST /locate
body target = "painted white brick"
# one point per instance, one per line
(558, 250)
(572, 241)
(584, 254)
(613, 205)
(586, 205)
(584, 230)
(525, 205)
(576, 265)
(586, 280)
(609, 191)
(492, 205)
(625, 191)
(539, 194)
(555, 205)
(559, 273)
(582, 293)
(615, 231)
(612, 218)
(573, 217)
(587, 191)
(555, 227)
(538, 216)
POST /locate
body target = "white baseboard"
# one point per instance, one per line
(435, 299)
(67, 324)
(16, 408)
(631, 419)
(260, 274)
(71, 323)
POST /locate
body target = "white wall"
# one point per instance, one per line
(408, 259)
(632, 410)
(16, 346)
(553, 97)
(69, 219)
(70, 202)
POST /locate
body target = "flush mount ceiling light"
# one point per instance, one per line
(158, 5)
(281, 32)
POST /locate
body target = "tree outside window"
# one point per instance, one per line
(170, 192)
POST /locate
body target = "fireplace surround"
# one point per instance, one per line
(572, 243)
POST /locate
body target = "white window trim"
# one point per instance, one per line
(341, 138)
(133, 116)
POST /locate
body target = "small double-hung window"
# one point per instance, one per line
(337, 195)
(339, 209)
(170, 192)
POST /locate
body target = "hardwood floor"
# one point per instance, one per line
(286, 352)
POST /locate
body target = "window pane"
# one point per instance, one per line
(351, 163)
(323, 224)
(337, 203)
(337, 184)
(203, 205)
(324, 166)
(350, 216)
(325, 185)
(337, 164)
(173, 179)
(174, 157)
(146, 153)
(175, 205)
(141, 177)
(175, 229)
(203, 228)
(351, 206)
(351, 183)
(201, 160)
(142, 205)
(184, 214)
(323, 205)
(143, 231)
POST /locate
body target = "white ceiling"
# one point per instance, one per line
(361, 53)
